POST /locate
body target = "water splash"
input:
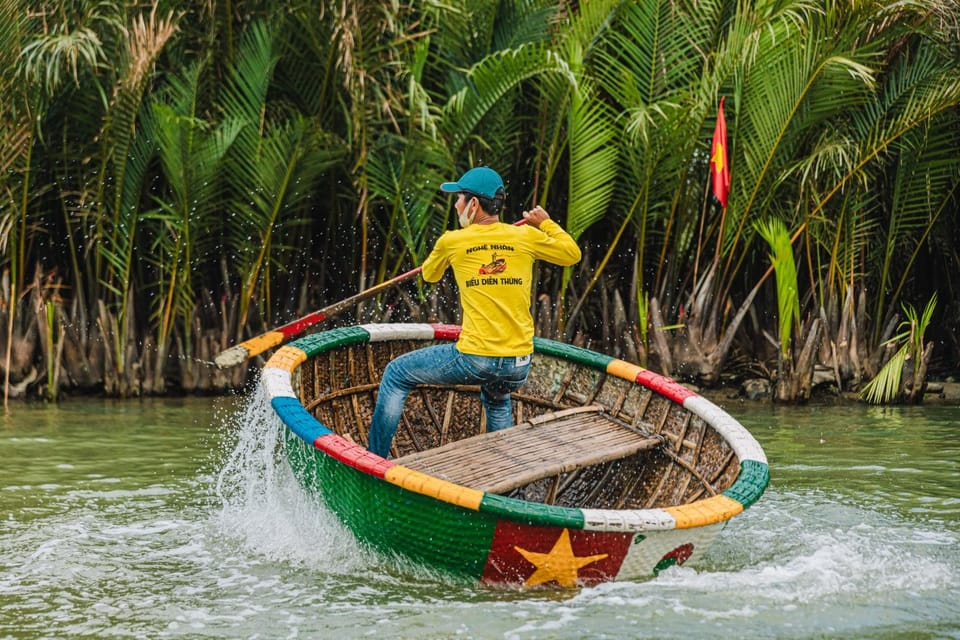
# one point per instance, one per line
(263, 507)
(251, 469)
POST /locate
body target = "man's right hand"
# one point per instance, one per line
(536, 216)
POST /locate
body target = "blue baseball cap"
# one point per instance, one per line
(481, 181)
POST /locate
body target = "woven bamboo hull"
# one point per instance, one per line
(611, 473)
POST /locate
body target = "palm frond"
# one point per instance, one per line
(490, 80)
(244, 95)
(914, 94)
(655, 55)
(593, 160)
(404, 176)
(271, 176)
(15, 126)
(125, 156)
(885, 386)
(118, 248)
(523, 21)
(775, 233)
(191, 152)
(925, 175)
(914, 91)
(56, 58)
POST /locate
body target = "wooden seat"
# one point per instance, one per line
(541, 447)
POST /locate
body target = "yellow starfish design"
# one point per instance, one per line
(560, 564)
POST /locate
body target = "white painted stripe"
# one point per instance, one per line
(385, 332)
(627, 520)
(743, 443)
(644, 554)
(276, 383)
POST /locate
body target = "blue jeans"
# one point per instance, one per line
(444, 364)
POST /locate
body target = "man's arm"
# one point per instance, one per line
(558, 246)
(436, 263)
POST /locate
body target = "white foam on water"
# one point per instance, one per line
(265, 508)
(804, 563)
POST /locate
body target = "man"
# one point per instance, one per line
(493, 265)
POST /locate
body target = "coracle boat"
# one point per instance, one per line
(611, 472)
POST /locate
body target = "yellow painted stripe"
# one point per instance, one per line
(704, 512)
(263, 342)
(624, 369)
(434, 487)
(287, 358)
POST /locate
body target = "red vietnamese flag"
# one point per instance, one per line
(718, 159)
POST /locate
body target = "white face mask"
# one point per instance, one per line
(464, 217)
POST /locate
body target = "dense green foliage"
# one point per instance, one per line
(178, 176)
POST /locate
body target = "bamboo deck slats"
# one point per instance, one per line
(541, 447)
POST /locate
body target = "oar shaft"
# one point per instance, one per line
(346, 303)
(258, 344)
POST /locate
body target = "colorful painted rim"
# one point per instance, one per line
(749, 486)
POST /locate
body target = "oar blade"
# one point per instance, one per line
(231, 357)
(250, 348)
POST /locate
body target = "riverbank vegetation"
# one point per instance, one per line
(178, 176)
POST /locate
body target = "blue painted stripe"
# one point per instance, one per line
(298, 419)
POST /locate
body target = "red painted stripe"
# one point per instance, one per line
(297, 326)
(664, 386)
(352, 454)
(446, 331)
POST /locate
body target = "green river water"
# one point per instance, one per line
(174, 519)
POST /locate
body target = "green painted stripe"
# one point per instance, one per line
(572, 353)
(392, 520)
(326, 340)
(532, 513)
(751, 483)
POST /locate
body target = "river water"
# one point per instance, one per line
(176, 519)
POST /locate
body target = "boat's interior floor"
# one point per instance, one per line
(541, 447)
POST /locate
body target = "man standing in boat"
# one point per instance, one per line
(493, 265)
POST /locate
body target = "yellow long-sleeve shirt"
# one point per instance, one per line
(493, 266)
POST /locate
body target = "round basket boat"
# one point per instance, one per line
(611, 471)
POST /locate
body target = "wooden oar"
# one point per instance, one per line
(255, 346)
